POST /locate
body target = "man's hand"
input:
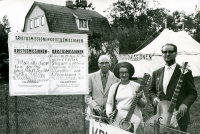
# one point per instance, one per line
(156, 101)
(182, 109)
(97, 109)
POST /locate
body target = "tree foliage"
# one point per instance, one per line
(99, 44)
(135, 25)
(196, 34)
(4, 30)
(83, 4)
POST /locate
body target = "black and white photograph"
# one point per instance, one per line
(99, 66)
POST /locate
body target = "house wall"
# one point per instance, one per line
(37, 13)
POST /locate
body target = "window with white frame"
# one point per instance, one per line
(83, 23)
(42, 20)
(36, 22)
(31, 24)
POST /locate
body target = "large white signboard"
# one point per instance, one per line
(101, 128)
(48, 64)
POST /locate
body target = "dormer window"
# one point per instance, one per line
(82, 23)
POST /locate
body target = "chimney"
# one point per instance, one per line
(69, 3)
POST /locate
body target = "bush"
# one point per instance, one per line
(93, 62)
(4, 66)
(4, 70)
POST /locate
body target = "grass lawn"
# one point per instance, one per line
(42, 114)
(61, 114)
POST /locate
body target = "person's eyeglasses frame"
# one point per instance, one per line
(122, 73)
(104, 63)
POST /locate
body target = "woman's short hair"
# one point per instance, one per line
(130, 68)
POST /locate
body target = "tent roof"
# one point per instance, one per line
(184, 42)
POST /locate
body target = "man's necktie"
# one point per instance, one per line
(104, 81)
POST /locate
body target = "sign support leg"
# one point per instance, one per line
(16, 116)
(83, 103)
(7, 112)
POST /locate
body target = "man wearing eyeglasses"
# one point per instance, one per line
(164, 82)
(99, 85)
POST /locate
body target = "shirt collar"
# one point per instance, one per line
(103, 74)
(172, 66)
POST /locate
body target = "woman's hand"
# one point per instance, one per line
(139, 94)
(111, 115)
(141, 99)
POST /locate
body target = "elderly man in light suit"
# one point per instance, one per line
(99, 85)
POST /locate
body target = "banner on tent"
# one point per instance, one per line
(101, 128)
(48, 64)
(135, 57)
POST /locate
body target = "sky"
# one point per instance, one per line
(16, 10)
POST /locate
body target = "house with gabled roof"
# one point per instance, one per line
(45, 18)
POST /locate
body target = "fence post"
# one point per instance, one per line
(83, 103)
(16, 115)
(7, 112)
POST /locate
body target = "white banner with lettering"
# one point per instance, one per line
(48, 64)
(135, 57)
(101, 128)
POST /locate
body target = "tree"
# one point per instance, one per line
(99, 44)
(188, 22)
(83, 4)
(134, 24)
(196, 34)
(4, 30)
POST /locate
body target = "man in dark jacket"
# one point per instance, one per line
(164, 82)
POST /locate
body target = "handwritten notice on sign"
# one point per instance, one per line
(48, 64)
(68, 69)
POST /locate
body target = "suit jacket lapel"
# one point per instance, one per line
(109, 82)
(161, 79)
(98, 81)
(175, 74)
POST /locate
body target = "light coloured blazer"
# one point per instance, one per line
(96, 95)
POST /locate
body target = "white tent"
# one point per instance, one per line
(188, 51)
